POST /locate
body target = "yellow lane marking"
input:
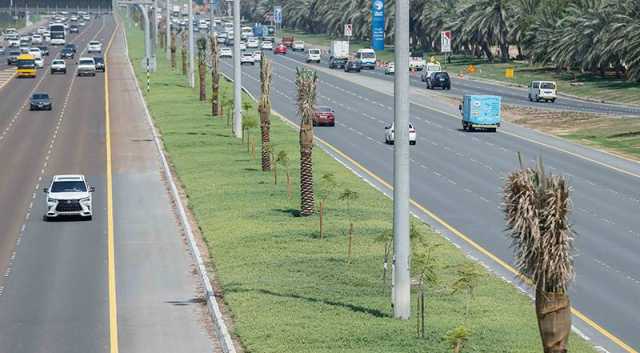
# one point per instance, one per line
(113, 308)
(466, 239)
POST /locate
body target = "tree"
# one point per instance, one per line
(306, 82)
(536, 211)
(183, 51)
(216, 107)
(386, 238)
(173, 50)
(457, 338)
(249, 122)
(487, 24)
(468, 277)
(202, 67)
(264, 107)
(284, 160)
(328, 185)
(349, 196)
(424, 266)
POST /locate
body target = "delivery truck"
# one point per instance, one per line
(480, 112)
(338, 54)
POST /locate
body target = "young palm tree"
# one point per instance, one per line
(215, 78)
(202, 67)
(173, 50)
(264, 107)
(183, 51)
(536, 209)
(306, 81)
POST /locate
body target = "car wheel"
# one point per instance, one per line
(358, 70)
(333, 124)
(553, 100)
(412, 142)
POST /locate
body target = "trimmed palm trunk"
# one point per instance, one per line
(264, 107)
(537, 208)
(202, 68)
(215, 78)
(173, 50)
(183, 52)
(306, 81)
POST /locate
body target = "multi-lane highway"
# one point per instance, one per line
(458, 176)
(99, 285)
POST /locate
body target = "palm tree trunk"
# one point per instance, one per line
(203, 81)
(265, 129)
(307, 203)
(173, 50)
(183, 54)
(553, 311)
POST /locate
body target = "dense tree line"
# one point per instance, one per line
(584, 35)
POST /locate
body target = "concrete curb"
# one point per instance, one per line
(222, 331)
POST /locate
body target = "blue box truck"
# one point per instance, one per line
(480, 112)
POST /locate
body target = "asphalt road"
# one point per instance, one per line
(510, 95)
(54, 293)
(459, 176)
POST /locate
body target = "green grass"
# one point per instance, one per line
(621, 135)
(289, 291)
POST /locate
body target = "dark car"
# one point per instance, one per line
(67, 53)
(74, 29)
(99, 63)
(71, 46)
(12, 59)
(352, 65)
(324, 116)
(40, 101)
(337, 63)
(439, 79)
(44, 50)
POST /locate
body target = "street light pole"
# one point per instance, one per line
(237, 74)
(168, 28)
(192, 79)
(401, 242)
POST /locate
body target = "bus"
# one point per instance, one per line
(58, 33)
(26, 66)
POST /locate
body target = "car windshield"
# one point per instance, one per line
(247, 55)
(548, 85)
(57, 62)
(368, 55)
(26, 64)
(86, 62)
(323, 109)
(314, 51)
(68, 186)
(98, 60)
(40, 96)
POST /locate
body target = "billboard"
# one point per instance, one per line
(445, 41)
(277, 14)
(377, 24)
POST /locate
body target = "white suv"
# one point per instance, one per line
(542, 90)
(94, 47)
(58, 65)
(69, 195)
(86, 67)
(313, 56)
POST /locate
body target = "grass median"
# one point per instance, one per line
(288, 290)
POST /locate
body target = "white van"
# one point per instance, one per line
(367, 58)
(246, 32)
(543, 90)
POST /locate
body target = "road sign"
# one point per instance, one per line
(445, 41)
(348, 30)
(277, 14)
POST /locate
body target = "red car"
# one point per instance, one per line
(280, 49)
(324, 116)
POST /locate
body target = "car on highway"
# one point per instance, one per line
(543, 91)
(71, 46)
(313, 55)
(58, 66)
(26, 66)
(439, 79)
(297, 45)
(389, 134)
(253, 42)
(226, 52)
(44, 50)
(69, 195)
(74, 29)
(35, 52)
(94, 47)
(367, 58)
(257, 55)
(40, 101)
(36, 39)
(41, 30)
(243, 45)
(99, 60)
(267, 45)
(12, 57)
(430, 68)
(280, 49)
(86, 67)
(390, 69)
(2, 50)
(82, 23)
(324, 116)
(12, 40)
(221, 38)
(247, 58)
(352, 65)
(39, 63)
(67, 53)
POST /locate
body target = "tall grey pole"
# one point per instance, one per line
(192, 78)
(401, 246)
(154, 14)
(168, 28)
(211, 26)
(147, 30)
(237, 74)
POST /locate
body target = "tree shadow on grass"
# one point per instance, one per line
(291, 211)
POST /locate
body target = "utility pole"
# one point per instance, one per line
(211, 26)
(401, 246)
(237, 74)
(192, 79)
(154, 14)
(168, 28)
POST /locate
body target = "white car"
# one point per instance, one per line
(94, 47)
(247, 58)
(543, 91)
(390, 69)
(36, 39)
(257, 55)
(81, 24)
(39, 63)
(36, 53)
(243, 45)
(58, 65)
(41, 30)
(86, 67)
(69, 195)
(252, 42)
(267, 45)
(226, 52)
(297, 45)
(389, 136)
(313, 56)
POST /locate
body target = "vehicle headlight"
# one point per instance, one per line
(86, 199)
(51, 200)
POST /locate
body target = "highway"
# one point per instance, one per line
(458, 176)
(55, 293)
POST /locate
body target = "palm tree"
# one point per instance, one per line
(216, 107)
(536, 209)
(264, 108)
(202, 67)
(487, 22)
(306, 81)
(173, 50)
(183, 51)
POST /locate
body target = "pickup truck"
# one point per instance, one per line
(86, 67)
(288, 41)
(480, 112)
